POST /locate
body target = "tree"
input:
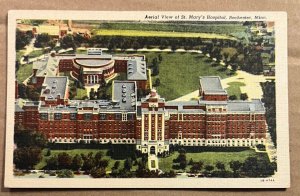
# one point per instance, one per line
(48, 153)
(226, 55)
(157, 82)
(64, 160)
(77, 162)
(79, 40)
(116, 165)
(142, 171)
(23, 39)
(88, 164)
(235, 166)
(244, 96)
(128, 164)
(234, 67)
(52, 44)
(65, 173)
(253, 167)
(136, 45)
(160, 58)
(52, 163)
(209, 168)
(220, 166)
(155, 70)
(92, 94)
(98, 155)
(28, 138)
(182, 164)
(232, 97)
(42, 40)
(22, 91)
(196, 167)
(154, 62)
(191, 162)
(98, 172)
(67, 42)
(173, 47)
(103, 163)
(32, 92)
(250, 166)
(27, 157)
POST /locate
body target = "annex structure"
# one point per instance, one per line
(92, 68)
(152, 124)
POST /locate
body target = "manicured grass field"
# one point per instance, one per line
(234, 89)
(24, 72)
(73, 152)
(35, 53)
(19, 54)
(211, 158)
(108, 87)
(80, 93)
(178, 27)
(79, 51)
(117, 32)
(179, 73)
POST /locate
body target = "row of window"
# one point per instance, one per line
(87, 116)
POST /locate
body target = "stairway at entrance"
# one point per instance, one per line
(152, 162)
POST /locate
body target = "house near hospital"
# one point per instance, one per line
(152, 124)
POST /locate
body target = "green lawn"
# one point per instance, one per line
(234, 89)
(80, 93)
(108, 87)
(177, 27)
(80, 51)
(142, 33)
(19, 55)
(35, 53)
(179, 73)
(24, 72)
(83, 151)
(211, 158)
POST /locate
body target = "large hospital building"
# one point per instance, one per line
(152, 123)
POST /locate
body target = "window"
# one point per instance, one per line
(130, 116)
(44, 116)
(124, 117)
(57, 116)
(87, 116)
(102, 116)
(73, 116)
(118, 116)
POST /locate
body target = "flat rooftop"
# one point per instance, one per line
(136, 69)
(124, 94)
(212, 85)
(93, 62)
(246, 106)
(46, 67)
(54, 87)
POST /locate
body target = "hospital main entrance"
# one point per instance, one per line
(152, 150)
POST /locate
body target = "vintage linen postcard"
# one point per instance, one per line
(147, 100)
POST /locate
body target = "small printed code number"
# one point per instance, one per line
(268, 180)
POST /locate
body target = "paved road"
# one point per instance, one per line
(252, 83)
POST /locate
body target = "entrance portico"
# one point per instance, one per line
(92, 79)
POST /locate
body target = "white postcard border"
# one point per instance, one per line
(280, 180)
